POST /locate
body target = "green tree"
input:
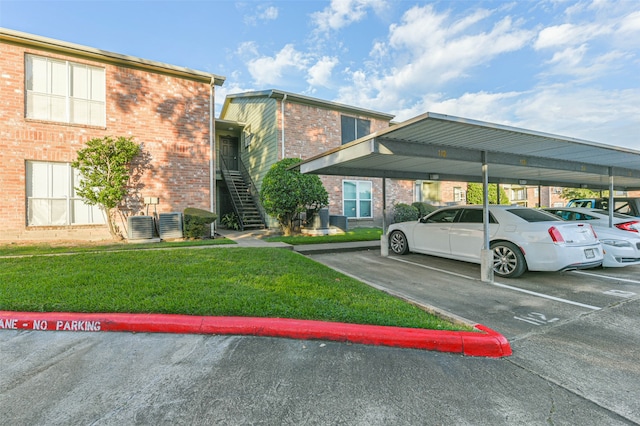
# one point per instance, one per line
(571, 193)
(105, 169)
(286, 192)
(475, 194)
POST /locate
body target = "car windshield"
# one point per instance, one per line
(531, 215)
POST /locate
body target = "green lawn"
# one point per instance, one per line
(356, 234)
(262, 282)
(46, 248)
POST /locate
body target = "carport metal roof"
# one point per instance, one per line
(441, 147)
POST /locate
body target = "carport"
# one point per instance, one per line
(441, 147)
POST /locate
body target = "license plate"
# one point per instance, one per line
(589, 253)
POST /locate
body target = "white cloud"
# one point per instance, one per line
(270, 13)
(604, 116)
(430, 49)
(268, 70)
(260, 14)
(628, 32)
(247, 48)
(484, 106)
(320, 73)
(341, 13)
(569, 35)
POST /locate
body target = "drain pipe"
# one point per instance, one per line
(284, 98)
(212, 148)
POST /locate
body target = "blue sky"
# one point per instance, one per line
(566, 67)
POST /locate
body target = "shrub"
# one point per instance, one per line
(404, 213)
(231, 221)
(286, 192)
(424, 208)
(197, 222)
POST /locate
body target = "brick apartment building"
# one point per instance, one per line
(277, 124)
(55, 96)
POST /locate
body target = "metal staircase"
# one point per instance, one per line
(244, 198)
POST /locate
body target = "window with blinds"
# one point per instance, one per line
(65, 91)
(52, 199)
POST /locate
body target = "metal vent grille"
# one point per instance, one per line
(140, 227)
(170, 225)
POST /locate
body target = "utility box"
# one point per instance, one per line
(140, 227)
(339, 222)
(170, 225)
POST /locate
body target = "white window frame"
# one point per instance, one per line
(53, 190)
(53, 93)
(357, 200)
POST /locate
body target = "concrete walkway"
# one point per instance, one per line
(257, 238)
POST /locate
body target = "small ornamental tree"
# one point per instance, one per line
(285, 193)
(105, 169)
(475, 194)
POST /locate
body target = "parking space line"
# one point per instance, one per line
(508, 287)
(606, 277)
(546, 296)
(433, 269)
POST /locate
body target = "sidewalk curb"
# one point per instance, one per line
(485, 343)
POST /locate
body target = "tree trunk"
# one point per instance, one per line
(111, 221)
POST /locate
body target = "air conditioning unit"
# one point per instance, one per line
(170, 225)
(140, 227)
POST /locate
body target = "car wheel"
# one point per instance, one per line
(398, 243)
(508, 260)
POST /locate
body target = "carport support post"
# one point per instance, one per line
(611, 199)
(384, 243)
(486, 255)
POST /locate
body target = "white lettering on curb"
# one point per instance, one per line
(78, 325)
(42, 325)
(9, 324)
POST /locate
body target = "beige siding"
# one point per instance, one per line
(260, 116)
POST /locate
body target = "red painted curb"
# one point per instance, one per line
(487, 342)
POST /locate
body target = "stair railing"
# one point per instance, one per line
(236, 200)
(253, 190)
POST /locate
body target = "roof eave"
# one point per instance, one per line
(25, 39)
(307, 100)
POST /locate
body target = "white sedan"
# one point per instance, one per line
(621, 243)
(521, 239)
(597, 217)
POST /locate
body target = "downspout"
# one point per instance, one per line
(212, 148)
(284, 98)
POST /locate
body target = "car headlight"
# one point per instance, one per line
(616, 243)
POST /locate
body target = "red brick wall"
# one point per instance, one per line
(168, 115)
(311, 130)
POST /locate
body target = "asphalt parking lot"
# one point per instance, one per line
(577, 329)
(574, 336)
